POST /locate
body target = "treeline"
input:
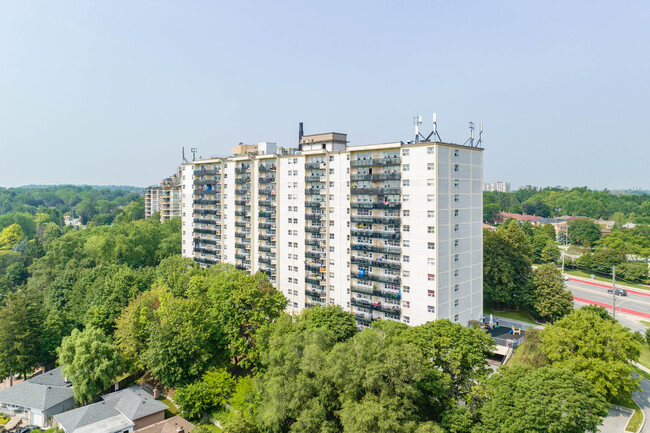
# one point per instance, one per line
(549, 202)
(98, 205)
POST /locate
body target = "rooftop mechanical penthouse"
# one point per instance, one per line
(386, 231)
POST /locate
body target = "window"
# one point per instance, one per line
(431, 293)
(295, 172)
(456, 272)
(331, 196)
(455, 152)
(406, 289)
(456, 288)
(331, 223)
(455, 227)
(431, 213)
(406, 212)
(456, 303)
(405, 182)
(295, 160)
(431, 166)
(405, 152)
(331, 171)
(431, 309)
(405, 167)
(406, 228)
(331, 249)
(431, 277)
(406, 243)
(289, 197)
(430, 150)
(295, 208)
(456, 318)
(331, 184)
(405, 197)
(456, 242)
(431, 245)
(331, 235)
(289, 207)
(431, 197)
(407, 319)
(331, 158)
(455, 167)
(406, 274)
(430, 182)
(455, 212)
(456, 197)
(289, 173)
(456, 257)
(406, 259)
(431, 229)
(406, 304)
(290, 242)
(431, 261)
(455, 182)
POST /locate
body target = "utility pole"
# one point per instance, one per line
(614, 292)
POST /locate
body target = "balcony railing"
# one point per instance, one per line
(206, 261)
(314, 229)
(314, 178)
(315, 293)
(314, 254)
(375, 205)
(204, 241)
(242, 180)
(205, 231)
(377, 306)
(243, 169)
(375, 234)
(314, 281)
(204, 221)
(315, 242)
(388, 294)
(314, 191)
(375, 191)
(267, 203)
(265, 225)
(242, 191)
(266, 168)
(206, 192)
(241, 224)
(376, 177)
(241, 213)
(266, 237)
(265, 214)
(267, 191)
(388, 279)
(315, 267)
(376, 263)
(242, 235)
(241, 202)
(376, 249)
(206, 251)
(241, 256)
(207, 172)
(374, 220)
(375, 162)
(207, 181)
(264, 249)
(312, 203)
(314, 165)
(266, 260)
(205, 201)
(314, 216)
(267, 179)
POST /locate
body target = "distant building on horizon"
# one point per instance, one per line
(496, 186)
(164, 198)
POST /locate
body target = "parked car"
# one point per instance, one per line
(27, 429)
(565, 277)
(619, 292)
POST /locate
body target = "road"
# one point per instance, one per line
(641, 398)
(629, 309)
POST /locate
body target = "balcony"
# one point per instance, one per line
(204, 201)
(267, 203)
(314, 191)
(204, 241)
(376, 263)
(242, 191)
(376, 177)
(315, 267)
(375, 205)
(207, 182)
(315, 178)
(206, 251)
(314, 254)
(314, 229)
(374, 220)
(315, 242)
(312, 203)
(242, 246)
(241, 202)
(206, 261)
(363, 275)
(242, 235)
(266, 168)
(241, 224)
(267, 191)
(207, 172)
(243, 169)
(266, 260)
(388, 294)
(265, 225)
(375, 191)
(206, 192)
(241, 256)
(363, 319)
(314, 165)
(267, 180)
(205, 212)
(375, 234)
(315, 293)
(314, 216)
(241, 213)
(264, 249)
(314, 281)
(375, 162)
(204, 221)
(265, 237)
(242, 180)
(205, 231)
(376, 249)
(265, 214)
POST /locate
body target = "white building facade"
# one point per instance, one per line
(387, 231)
(496, 186)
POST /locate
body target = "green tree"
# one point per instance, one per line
(490, 212)
(550, 253)
(551, 299)
(10, 236)
(633, 270)
(583, 232)
(194, 400)
(550, 231)
(596, 348)
(523, 400)
(332, 317)
(91, 361)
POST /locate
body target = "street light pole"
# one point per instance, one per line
(614, 292)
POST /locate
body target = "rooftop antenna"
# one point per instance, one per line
(184, 159)
(417, 121)
(470, 140)
(480, 135)
(194, 150)
(433, 133)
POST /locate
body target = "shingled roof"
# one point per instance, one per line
(41, 392)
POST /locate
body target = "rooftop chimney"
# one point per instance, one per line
(301, 132)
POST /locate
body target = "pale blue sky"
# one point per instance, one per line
(107, 92)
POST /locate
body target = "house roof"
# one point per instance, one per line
(519, 217)
(118, 410)
(170, 425)
(41, 392)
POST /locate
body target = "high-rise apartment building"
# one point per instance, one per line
(164, 198)
(391, 231)
(496, 186)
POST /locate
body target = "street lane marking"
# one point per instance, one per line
(585, 289)
(608, 286)
(609, 306)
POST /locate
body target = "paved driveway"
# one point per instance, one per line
(615, 422)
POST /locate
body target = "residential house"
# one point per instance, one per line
(38, 399)
(172, 425)
(119, 412)
(503, 216)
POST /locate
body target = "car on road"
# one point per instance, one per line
(619, 292)
(565, 277)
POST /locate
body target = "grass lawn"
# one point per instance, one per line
(646, 323)
(521, 315)
(172, 411)
(644, 359)
(584, 274)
